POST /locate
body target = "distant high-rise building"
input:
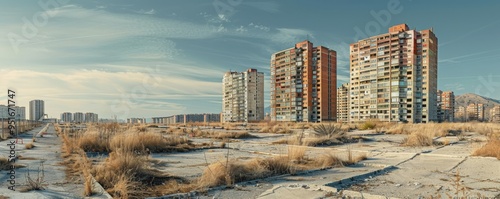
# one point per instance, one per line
(37, 109)
(480, 112)
(460, 113)
(495, 114)
(186, 118)
(136, 120)
(446, 106)
(394, 76)
(91, 118)
(78, 117)
(343, 103)
(304, 83)
(20, 112)
(243, 96)
(475, 112)
(66, 117)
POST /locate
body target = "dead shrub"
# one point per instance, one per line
(29, 145)
(37, 182)
(330, 130)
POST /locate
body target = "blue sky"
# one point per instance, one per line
(158, 58)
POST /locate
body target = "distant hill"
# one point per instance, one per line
(468, 98)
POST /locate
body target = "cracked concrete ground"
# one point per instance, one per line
(391, 171)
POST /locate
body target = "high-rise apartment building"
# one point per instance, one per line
(136, 120)
(91, 117)
(475, 112)
(446, 106)
(480, 112)
(78, 117)
(37, 109)
(19, 111)
(303, 83)
(243, 96)
(394, 76)
(495, 114)
(343, 103)
(460, 113)
(66, 117)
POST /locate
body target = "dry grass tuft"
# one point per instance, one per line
(328, 160)
(94, 141)
(368, 125)
(418, 140)
(125, 187)
(297, 153)
(281, 128)
(490, 149)
(230, 172)
(4, 163)
(126, 174)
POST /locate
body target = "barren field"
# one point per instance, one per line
(264, 160)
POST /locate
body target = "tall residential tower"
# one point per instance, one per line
(37, 109)
(394, 76)
(243, 96)
(304, 83)
(66, 117)
(343, 103)
(446, 106)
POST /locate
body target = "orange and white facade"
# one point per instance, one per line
(303, 84)
(394, 76)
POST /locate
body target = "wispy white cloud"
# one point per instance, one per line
(291, 35)
(150, 12)
(260, 27)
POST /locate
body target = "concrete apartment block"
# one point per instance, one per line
(475, 112)
(37, 109)
(20, 112)
(66, 117)
(136, 120)
(91, 117)
(495, 114)
(78, 117)
(460, 114)
(343, 103)
(243, 96)
(185, 118)
(394, 76)
(446, 106)
(303, 83)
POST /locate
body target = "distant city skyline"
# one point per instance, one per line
(158, 58)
